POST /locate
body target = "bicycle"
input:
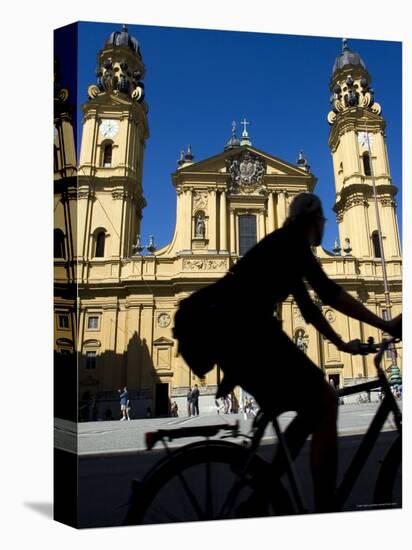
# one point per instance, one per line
(218, 479)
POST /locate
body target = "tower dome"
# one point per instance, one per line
(347, 58)
(124, 39)
(233, 141)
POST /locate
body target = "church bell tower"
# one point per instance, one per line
(115, 128)
(365, 193)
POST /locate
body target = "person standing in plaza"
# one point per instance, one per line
(124, 403)
(128, 408)
(195, 400)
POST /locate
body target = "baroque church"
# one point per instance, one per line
(114, 306)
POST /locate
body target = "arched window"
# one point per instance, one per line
(100, 242)
(107, 155)
(376, 245)
(366, 164)
(59, 248)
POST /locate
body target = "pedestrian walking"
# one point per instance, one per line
(253, 406)
(249, 407)
(174, 409)
(195, 400)
(189, 402)
(124, 402)
(219, 405)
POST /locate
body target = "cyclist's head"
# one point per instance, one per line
(306, 211)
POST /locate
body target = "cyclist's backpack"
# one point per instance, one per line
(198, 327)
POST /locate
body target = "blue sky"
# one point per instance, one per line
(198, 81)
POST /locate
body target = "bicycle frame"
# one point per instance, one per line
(388, 405)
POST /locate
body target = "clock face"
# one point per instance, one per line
(363, 139)
(109, 128)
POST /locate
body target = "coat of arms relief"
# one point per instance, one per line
(246, 173)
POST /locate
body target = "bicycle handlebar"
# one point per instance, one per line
(371, 347)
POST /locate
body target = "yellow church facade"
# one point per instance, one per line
(114, 306)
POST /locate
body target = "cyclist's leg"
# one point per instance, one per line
(324, 453)
(315, 402)
(317, 408)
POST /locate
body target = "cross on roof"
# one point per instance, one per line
(244, 122)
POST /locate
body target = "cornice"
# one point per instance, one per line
(362, 194)
(354, 120)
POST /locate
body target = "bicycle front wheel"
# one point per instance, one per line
(201, 482)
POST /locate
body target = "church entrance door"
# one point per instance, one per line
(162, 400)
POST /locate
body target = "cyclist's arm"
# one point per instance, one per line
(347, 304)
(333, 294)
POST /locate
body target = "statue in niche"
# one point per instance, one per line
(301, 341)
(200, 226)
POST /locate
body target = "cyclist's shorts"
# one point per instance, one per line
(268, 365)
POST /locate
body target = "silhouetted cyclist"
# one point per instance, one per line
(254, 352)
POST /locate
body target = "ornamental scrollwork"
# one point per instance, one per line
(204, 265)
(93, 91)
(352, 93)
(78, 195)
(246, 173)
(356, 201)
(387, 201)
(297, 314)
(124, 194)
(116, 77)
(200, 201)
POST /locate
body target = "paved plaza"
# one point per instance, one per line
(116, 437)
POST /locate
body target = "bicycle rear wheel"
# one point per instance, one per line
(388, 488)
(195, 484)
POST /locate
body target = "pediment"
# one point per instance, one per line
(162, 341)
(64, 342)
(92, 343)
(218, 163)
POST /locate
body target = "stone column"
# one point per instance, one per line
(223, 226)
(212, 229)
(281, 207)
(187, 221)
(261, 225)
(271, 214)
(179, 218)
(232, 232)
